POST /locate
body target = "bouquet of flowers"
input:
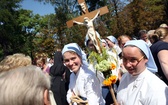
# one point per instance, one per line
(107, 64)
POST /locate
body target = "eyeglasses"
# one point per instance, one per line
(132, 61)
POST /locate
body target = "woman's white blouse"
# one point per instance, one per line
(85, 84)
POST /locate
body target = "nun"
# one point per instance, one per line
(113, 44)
(140, 86)
(83, 82)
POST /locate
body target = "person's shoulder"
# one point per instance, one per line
(153, 82)
(153, 89)
(160, 45)
(155, 44)
(87, 73)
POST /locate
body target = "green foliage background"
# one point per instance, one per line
(21, 31)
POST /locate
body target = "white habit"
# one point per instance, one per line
(86, 84)
(144, 89)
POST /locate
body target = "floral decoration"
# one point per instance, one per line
(106, 64)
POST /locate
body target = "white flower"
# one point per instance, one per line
(103, 66)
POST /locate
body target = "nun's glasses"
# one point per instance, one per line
(132, 61)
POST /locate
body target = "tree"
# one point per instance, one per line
(124, 17)
(18, 28)
(145, 14)
(8, 26)
(166, 10)
(66, 11)
(44, 40)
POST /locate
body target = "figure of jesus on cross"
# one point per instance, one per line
(91, 31)
(87, 19)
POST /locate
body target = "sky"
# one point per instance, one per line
(37, 7)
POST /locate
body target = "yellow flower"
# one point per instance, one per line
(105, 63)
(107, 82)
(113, 66)
(111, 80)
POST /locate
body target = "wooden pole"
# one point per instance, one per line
(113, 95)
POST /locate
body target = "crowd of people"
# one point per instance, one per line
(69, 78)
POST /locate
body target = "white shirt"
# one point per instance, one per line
(86, 84)
(144, 89)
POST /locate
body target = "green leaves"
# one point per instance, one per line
(104, 65)
(93, 56)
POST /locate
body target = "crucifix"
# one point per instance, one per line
(86, 19)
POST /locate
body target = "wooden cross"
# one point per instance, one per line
(83, 20)
(88, 14)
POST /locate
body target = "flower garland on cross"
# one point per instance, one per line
(107, 65)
